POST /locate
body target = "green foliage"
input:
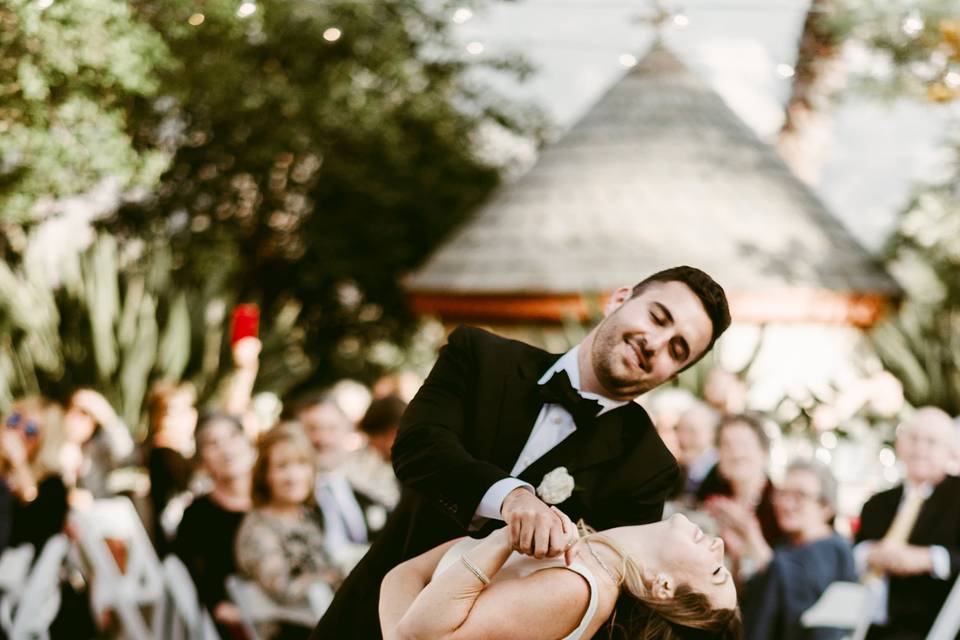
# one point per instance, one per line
(72, 75)
(244, 157)
(316, 172)
(918, 46)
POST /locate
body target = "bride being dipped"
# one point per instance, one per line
(470, 588)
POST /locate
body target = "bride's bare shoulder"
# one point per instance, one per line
(549, 603)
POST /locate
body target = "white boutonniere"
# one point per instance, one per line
(556, 486)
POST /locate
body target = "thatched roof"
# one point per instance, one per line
(659, 172)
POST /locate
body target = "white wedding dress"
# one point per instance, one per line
(519, 566)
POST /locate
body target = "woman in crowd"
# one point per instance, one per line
(738, 483)
(207, 534)
(29, 463)
(96, 440)
(173, 420)
(470, 588)
(280, 545)
(789, 578)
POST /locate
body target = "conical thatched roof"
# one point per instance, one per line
(659, 172)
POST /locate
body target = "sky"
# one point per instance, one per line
(745, 49)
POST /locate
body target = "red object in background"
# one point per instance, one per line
(854, 525)
(246, 322)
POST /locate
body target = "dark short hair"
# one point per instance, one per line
(711, 296)
(382, 415)
(752, 420)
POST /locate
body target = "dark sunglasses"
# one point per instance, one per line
(30, 428)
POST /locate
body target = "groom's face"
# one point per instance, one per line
(648, 339)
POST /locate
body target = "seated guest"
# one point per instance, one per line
(350, 518)
(696, 440)
(788, 579)
(908, 544)
(369, 469)
(280, 544)
(30, 450)
(739, 479)
(99, 438)
(172, 421)
(207, 534)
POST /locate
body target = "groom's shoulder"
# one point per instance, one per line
(482, 341)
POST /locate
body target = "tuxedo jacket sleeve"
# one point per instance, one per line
(429, 454)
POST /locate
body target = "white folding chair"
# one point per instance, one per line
(187, 620)
(29, 616)
(141, 584)
(947, 624)
(256, 607)
(843, 605)
(14, 568)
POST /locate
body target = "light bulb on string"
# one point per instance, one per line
(246, 9)
(462, 14)
(785, 70)
(332, 34)
(475, 48)
(681, 21)
(912, 24)
(44, 4)
(628, 60)
(952, 79)
(196, 19)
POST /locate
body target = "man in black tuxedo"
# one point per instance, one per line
(909, 536)
(496, 415)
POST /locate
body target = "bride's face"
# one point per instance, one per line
(680, 553)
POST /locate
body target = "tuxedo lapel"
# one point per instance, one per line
(584, 448)
(520, 405)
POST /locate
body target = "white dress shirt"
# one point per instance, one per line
(939, 558)
(553, 425)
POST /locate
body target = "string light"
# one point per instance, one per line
(681, 21)
(462, 14)
(912, 24)
(246, 9)
(475, 48)
(44, 4)
(196, 19)
(829, 440)
(628, 60)
(784, 70)
(952, 79)
(332, 34)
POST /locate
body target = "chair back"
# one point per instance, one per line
(947, 624)
(14, 568)
(31, 614)
(189, 619)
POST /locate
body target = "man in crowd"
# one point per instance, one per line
(908, 545)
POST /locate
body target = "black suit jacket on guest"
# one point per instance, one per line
(914, 601)
(464, 431)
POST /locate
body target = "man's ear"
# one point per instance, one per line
(616, 299)
(663, 587)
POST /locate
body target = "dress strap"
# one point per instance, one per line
(577, 633)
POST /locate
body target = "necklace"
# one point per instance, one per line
(602, 564)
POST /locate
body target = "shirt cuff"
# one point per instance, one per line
(940, 559)
(492, 500)
(860, 553)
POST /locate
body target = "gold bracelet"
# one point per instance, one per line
(474, 569)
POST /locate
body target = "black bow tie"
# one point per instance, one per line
(558, 390)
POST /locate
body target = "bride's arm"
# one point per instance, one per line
(403, 584)
(456, 605)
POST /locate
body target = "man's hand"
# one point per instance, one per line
(902, 559)
(535, 530)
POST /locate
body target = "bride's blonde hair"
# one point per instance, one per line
(688, 614)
